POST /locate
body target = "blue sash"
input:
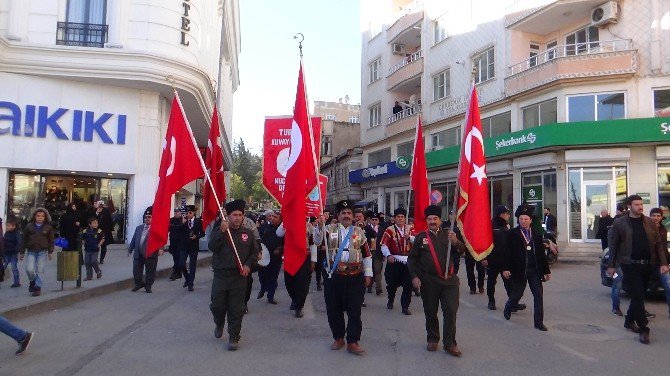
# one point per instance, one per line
(338, 255)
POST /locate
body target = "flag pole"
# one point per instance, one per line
(208, 179)
(299, 37)
(457, 186)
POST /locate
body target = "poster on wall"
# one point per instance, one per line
(276, 152)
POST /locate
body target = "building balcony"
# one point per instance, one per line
(408, 17)
(81, 34)
(541, 17)
(402, 121)
(572, 61)
(409, 68)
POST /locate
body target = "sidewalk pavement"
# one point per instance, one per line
(117, 274)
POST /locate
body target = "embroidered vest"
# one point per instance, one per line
(334, 238)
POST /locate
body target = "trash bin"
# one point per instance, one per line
(67, 266)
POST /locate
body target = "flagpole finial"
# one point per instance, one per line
(171, 80)
(299, 37)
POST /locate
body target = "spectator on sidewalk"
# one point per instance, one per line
(38, 241)
(142, 262)
(106, 224)
(70, 226)
(12, 244)
(19, 335)
(656, 215)
(93, 239)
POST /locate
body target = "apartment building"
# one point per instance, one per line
(574, 99)
(87, 87)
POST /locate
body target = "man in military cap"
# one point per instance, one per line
(138, 248)
(395, 246)
(178, 237)
(192, 245)
(348, 272)
(427, 263)
(230, 272)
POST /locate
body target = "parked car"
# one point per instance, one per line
(655, 289)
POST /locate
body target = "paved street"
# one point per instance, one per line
(170, 333)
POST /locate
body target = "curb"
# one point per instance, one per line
(81, 295)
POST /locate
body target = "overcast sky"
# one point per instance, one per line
(269, 60)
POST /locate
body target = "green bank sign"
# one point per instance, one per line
(623, 131)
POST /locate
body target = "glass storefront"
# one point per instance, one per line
(539, 189)
(664, 193)
(591, 190)
(54, 192)
(500, 190)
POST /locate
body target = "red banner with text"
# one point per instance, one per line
(313, 206)
(276, 153)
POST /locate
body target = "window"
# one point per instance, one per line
(353, 119)
(375, 66)
(662, 102)
(498, 124)
(379, 157)
(534, 51)
(581, 40)
(437, 140)
(441, 86)
(592, 107)
(551, 50)
(440, 29)
(375, 113)
(446, 138)
(86, 11)
(326, 148)
(85, 24)
(330, 116)
(484, 66)
(406, 149)
(539, 114)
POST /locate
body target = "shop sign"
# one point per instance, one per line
(383, 171)
(588, 133)
(38, 121)
(532, 193)
(185, 22)
(402, 162)
(646, 198)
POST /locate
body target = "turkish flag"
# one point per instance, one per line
(474, 207)
(419, 180)
(214, 164)
(180, 165)
(299, 167)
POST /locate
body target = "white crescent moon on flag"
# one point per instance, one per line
(474, 132)
(296, 145)
(173, 152)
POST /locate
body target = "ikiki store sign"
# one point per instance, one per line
(587, 133)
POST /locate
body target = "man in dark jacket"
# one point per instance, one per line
(525, 262)
(269, 274)
(178, 237)
(635, 244)
(656, 214)
(232, 263)
(493, 262)
(604, 225)
(192, 245)
(142, 262)
(106, 224)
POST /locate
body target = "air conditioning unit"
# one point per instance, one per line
(605, 13)
(398, 49)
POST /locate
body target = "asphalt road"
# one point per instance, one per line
(170, 332)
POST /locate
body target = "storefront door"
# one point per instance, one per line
(596, 196)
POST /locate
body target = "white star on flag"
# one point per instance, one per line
(479, 173)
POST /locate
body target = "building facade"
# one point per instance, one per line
(340, 127)
(574, 99)
(87, 91)
(340, 186)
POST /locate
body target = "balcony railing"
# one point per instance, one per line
(578, 49)
(412, 7)
(406, 61)
(81, 34)
(410, 111)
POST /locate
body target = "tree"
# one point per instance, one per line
(237, 188)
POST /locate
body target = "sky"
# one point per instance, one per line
(269, 59)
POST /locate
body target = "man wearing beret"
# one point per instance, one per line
(192, 245)
(525, 262)
(348, 272)
(427, 263)
(138, 248)
(492, 262)
(230, 272)
(395, 246)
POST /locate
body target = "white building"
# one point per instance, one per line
(572, 98)
(87, 90)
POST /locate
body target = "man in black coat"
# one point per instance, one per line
(493, 262)
(142, 262)
(525, 262)
(178, 237)
(549, 221)
(269, 274)
(192, 245)
(106, 224)
(606, 221)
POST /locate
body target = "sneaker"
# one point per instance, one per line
(617, 312)
(23, 345)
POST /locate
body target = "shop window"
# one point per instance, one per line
(497, 125)
(539, 114)
(592, 107)
(446, 201)
(539, 189)
(379, 157)
(662, 103)
(501, 190)
(664, 193)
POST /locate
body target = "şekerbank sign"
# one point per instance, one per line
(38, 121)
(624, 131)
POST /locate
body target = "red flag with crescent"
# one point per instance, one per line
(474, 206)
(214, 164)
(180, 165)
(419, 180)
